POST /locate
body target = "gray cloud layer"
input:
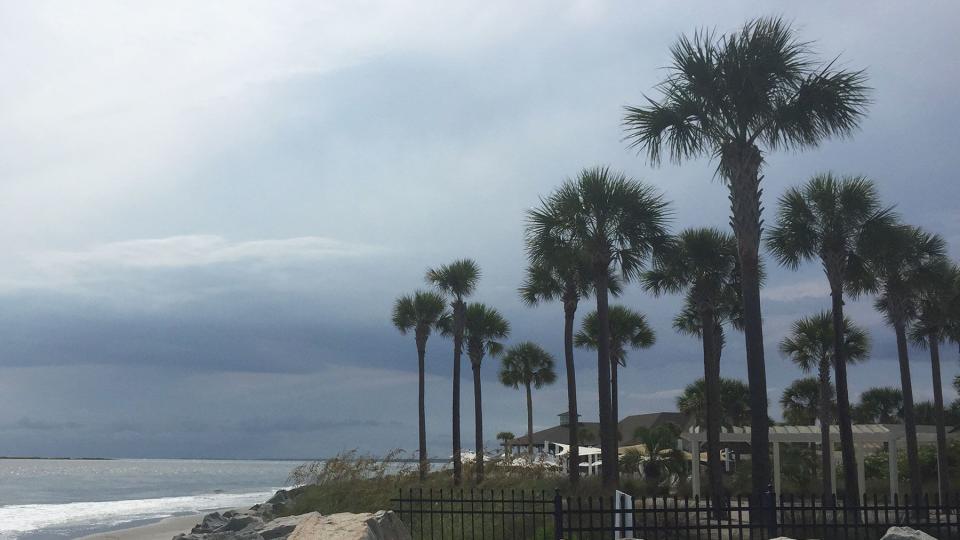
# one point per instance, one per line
(207, 211)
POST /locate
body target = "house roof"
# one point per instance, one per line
(627, 427)
(558, 434)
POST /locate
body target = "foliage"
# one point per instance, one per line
(660, 461)
(810, 342)
(628, 328)
(800, 401)
(734, 402)
(527, 364)
(761, 84)
(881, 405)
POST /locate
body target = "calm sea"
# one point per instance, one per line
(57, 499)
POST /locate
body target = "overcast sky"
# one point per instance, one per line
(208, 209)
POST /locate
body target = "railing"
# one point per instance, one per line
(539, 515)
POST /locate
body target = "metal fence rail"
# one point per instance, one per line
(539, 515)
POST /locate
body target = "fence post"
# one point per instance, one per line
(770, 511)
(557, 515)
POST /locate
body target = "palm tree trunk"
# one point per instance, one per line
(741, 165)
(569, 312)
(850, 480)
(711, 379)
(608, 443)
(529, 423)
(615, 398)
(421, 407)
(458, 323)
(826, 447)
(909, 418)
(943, 473)
(478, 415)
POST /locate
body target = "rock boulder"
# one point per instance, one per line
(383, 525)
(906, 533)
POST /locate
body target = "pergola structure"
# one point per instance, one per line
(865, 437)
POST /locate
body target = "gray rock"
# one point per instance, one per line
(383, 525)
(906, 533)
(245, 525)
(282, 527)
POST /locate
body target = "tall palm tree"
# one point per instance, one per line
(810, 345)
(628, 329)
(616, 224)
(703, 264)
(529, 366)
(484, 328)
(457, 280)
(420, 312)
(563, 273)
(839, 222)
(880, 405)
(904, 262)
(938, 313)
(735, 97)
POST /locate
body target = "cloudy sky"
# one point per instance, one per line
(207, 209)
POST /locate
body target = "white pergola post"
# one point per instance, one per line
(695, 465)
(861, 472)
(776, 468)
(892, 462)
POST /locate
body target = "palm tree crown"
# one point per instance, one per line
(527, 363)
(759, 85)
(457, 279)
(838, 221)
(606, 216)
(628, 328)
(484, 328)
(420, 312)
(800, 401)
(903, 264)
(880, 405)
(734, 402)
(810, 342)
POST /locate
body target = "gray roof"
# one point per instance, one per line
(627, 427)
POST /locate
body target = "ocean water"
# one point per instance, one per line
(58, 499)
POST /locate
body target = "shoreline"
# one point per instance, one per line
(164, 529)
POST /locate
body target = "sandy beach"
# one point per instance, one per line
(164, 529)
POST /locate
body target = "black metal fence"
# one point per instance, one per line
(539, 515)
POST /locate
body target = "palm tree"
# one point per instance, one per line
(458, 280)
(484, 329)
(881, 405)
(627, 329)
(420, 312)
(505, 437)
(564, 274)
(800, 402)
(838, 221)
(938, 313)
(734, 402)
(903, 263)
(811, 346)
(527, 365)
(662, 456)
(703, 263)
(615, 224)
(734, 97)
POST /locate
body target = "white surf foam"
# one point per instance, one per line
(18, 519)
